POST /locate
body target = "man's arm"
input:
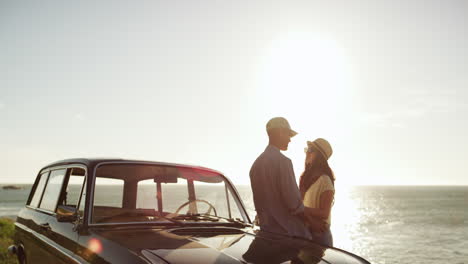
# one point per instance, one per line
(316, 224)
(316, 216)
(289, 191)
(326, 200)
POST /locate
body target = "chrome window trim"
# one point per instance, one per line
(239, 200)
(133, 223)
(41, 210)
(92, 183)
(45, 188)
(168, 223)
(45, 211)
(83, 187)
(35, 188)
(58, 167)
(70, 255)
(66, 167)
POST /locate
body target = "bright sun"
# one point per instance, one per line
(305, 77)
(302, 68)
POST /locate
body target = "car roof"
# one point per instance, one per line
(91, 162)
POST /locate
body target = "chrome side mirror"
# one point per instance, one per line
(66, 213)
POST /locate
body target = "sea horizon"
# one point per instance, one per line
(424, 223)
(341, 185)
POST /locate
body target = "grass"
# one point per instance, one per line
(6, 239)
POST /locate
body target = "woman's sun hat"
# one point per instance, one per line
(322, 146)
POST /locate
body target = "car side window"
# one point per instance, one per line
(39, 190)
(71, 196)
(52, 190)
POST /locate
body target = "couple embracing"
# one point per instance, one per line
(282, 206)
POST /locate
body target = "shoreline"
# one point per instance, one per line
(11, 217)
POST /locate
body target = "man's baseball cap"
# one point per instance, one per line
(280, 122)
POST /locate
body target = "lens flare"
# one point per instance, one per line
(95, 245)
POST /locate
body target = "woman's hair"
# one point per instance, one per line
(312, 173)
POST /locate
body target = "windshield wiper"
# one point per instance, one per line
(173, 220)
(198, 217)
(238, 222)
(213, 218)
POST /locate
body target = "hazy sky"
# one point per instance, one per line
(196, 81)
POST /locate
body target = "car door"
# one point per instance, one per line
(50, 250)
(63, 233)
(29, 224)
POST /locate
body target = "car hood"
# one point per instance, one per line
(223, 245)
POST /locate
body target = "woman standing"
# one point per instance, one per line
(317, 187)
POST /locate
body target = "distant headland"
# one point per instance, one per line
(11, 187)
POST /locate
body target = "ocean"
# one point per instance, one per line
(384, 224)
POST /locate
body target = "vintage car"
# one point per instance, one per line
(127, 211)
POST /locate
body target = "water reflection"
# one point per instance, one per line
(346, 216)
(357, 216)
(397, 224)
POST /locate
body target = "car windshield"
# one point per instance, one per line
(157, 194)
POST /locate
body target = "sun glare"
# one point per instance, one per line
(345, 217)
(306, 78)
(304, 69)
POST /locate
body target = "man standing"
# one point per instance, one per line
(275, 193)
